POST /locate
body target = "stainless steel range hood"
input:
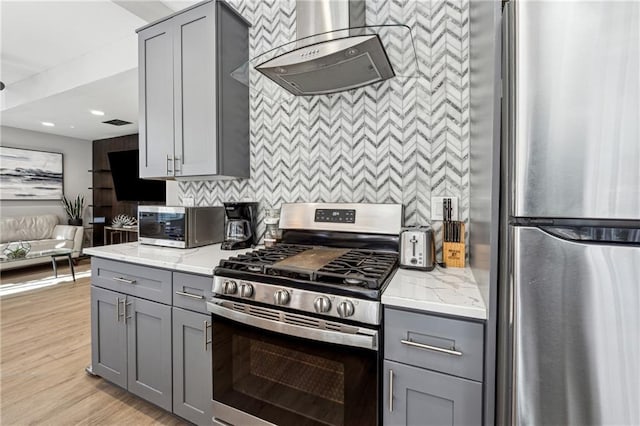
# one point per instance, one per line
(327, 58)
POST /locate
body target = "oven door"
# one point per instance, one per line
(264, 372)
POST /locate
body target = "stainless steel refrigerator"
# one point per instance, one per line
(570, 213)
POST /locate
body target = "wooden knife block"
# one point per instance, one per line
(453, 253)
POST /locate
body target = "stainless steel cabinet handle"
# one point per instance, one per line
(124, 280)
(117, 309)
(206, 326)
(126, 317)
(390, 390)
(176, 163)
(123, 301)
(194, 296)
(431, 348)
(169, 161)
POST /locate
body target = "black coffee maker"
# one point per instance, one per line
(241, 226)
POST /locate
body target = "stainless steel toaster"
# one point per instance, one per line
(417, 248)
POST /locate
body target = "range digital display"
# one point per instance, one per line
(336, 215)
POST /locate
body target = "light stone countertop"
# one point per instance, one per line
(450, 291)
(200, 260)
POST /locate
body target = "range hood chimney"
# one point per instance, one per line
(336, 60)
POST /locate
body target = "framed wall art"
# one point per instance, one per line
(30, 175)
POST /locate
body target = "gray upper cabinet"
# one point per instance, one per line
(155, 68)
(194, 117)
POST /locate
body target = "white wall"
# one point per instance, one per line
(77, 160)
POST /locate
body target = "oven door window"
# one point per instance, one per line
(292, 381)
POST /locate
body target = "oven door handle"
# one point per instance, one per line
(364, 338)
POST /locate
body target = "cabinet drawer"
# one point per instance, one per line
(192, 291)
(440, 344)
(136, 280)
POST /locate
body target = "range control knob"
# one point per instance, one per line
(281, 297)
(345, 309)
(246, 290)
(322, 304)
(229, 287)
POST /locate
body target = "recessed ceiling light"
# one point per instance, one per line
(48, 124)
(96, 112)
(73, 127)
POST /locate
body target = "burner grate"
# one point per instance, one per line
(257, 260)
(353, 268)
(364, 268)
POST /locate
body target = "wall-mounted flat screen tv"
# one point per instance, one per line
(129, 187)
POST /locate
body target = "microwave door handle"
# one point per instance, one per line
(366, 338)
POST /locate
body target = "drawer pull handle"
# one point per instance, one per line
(124, 280)
(430, 348)
(193, 296)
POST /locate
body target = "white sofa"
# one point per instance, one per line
(42, 233)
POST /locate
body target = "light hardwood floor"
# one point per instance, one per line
(44, 348)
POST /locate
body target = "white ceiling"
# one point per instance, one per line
(60, 59)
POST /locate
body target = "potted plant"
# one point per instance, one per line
(17, 250)
(74, 209)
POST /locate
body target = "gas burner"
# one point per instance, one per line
(353, 281)
(254, 268)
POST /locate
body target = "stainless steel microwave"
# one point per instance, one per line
(180, 227)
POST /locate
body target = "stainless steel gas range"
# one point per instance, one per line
(296, 327)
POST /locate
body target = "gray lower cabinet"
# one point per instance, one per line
(108, 336)
(149, 350)
(433, 369)
(192, 375)
(151, 334)
(419, 397)
(131, 344)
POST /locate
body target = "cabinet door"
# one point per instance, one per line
(156, 125)
(192, 376)
(194, 91)
(149, 351)
(422, 397)
(108, 336)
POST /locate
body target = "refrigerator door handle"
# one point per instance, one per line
(595, 234)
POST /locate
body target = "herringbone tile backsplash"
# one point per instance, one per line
(400, 141)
